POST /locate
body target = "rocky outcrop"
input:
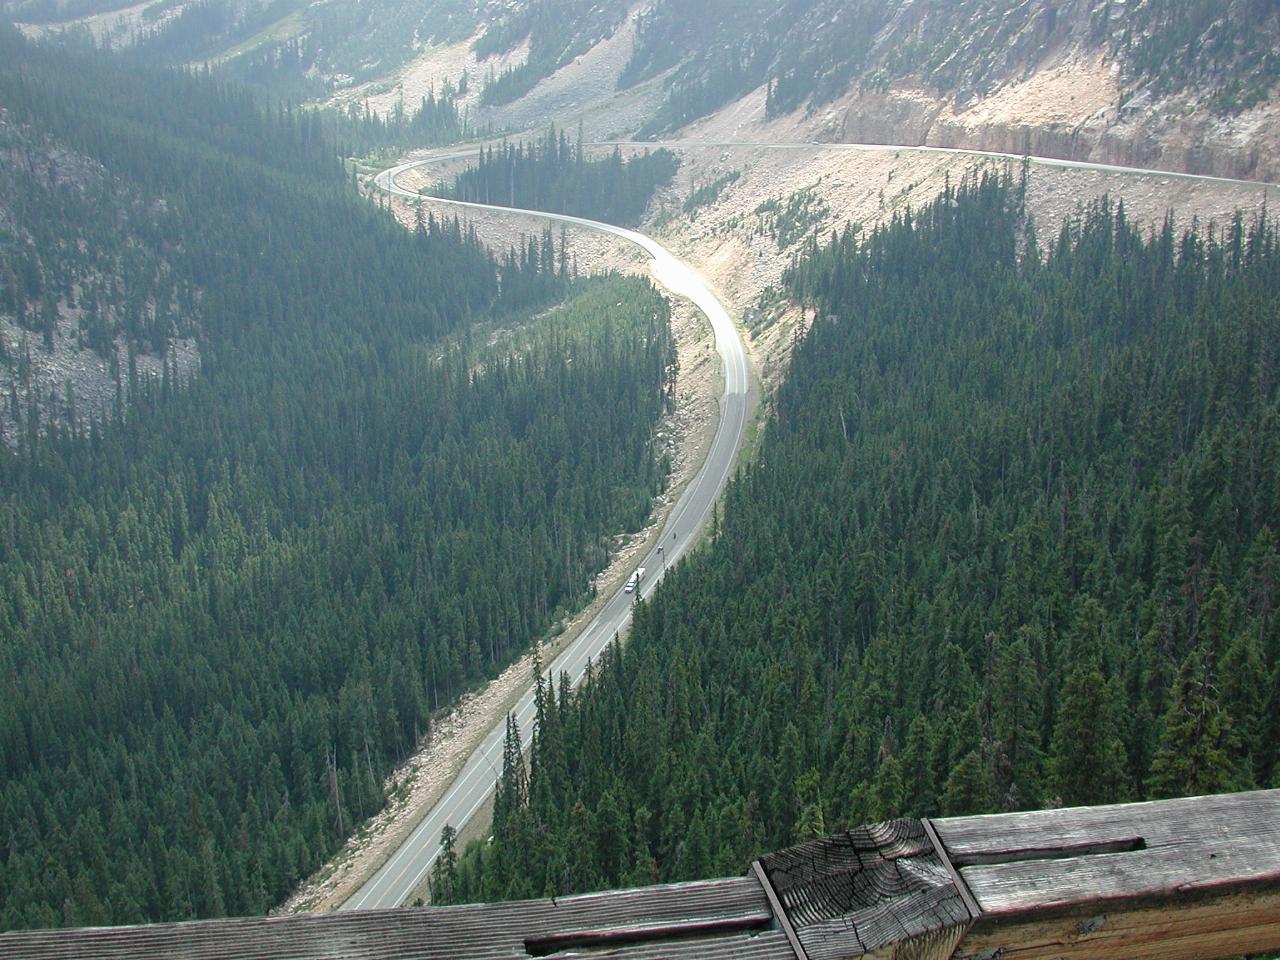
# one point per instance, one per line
(1175, 134)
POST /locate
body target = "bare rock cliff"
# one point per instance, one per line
(1175, 133)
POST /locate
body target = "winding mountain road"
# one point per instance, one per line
(409, 865)
(1053, 162)
(404, 872)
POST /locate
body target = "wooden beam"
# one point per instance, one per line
(1197, 877)
(1223, 926)
(720, 919)
(882, 890)
(970, 904)
(1171, 880)
(784, 921)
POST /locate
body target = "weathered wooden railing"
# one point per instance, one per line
(1195, 878)
(1176, 878)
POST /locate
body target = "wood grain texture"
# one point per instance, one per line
(930, 930)
(1220, 844)
(934, 945)
(737, 907)
(1193, 878)
(1172, 880)
(1157, 822)
(948, 864)
(784, 922)
(1213, 927)
(868, 893)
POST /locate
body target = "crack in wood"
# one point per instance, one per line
(1063, 852)
(884, 886)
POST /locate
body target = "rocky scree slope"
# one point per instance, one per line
(1184, 85)
(89, 303)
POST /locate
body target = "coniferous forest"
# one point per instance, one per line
(1009, 542)
(231, 602)
(553, 174)
(434, 121)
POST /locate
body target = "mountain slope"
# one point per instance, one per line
(1009, 542)
(965, 48)
(1190, 85)
(232, 601)
(71, 339)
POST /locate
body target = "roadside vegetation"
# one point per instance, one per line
(434, 121)
(552, 173)
(788, 221)
(709, 193)
(1010, 542)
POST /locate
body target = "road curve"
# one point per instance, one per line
(402, 874)
(393, 884)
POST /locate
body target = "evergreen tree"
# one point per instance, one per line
(444, 872)
(886, 798)
(1243, 688)
(1195, 754)
(1088, 763)
(810, 821)
(512, 792)
(1016, 708)
(970, 788)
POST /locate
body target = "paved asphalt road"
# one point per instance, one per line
(404, 872)
(954, 151)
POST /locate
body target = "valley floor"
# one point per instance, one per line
(742, 241)
(418, 784)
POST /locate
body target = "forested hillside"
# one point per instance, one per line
(816, 50)
(1009, 542)
(103, 175)
(67, 231)
(707, 53)
(231, 604)
(433, 121)
(553, 174)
